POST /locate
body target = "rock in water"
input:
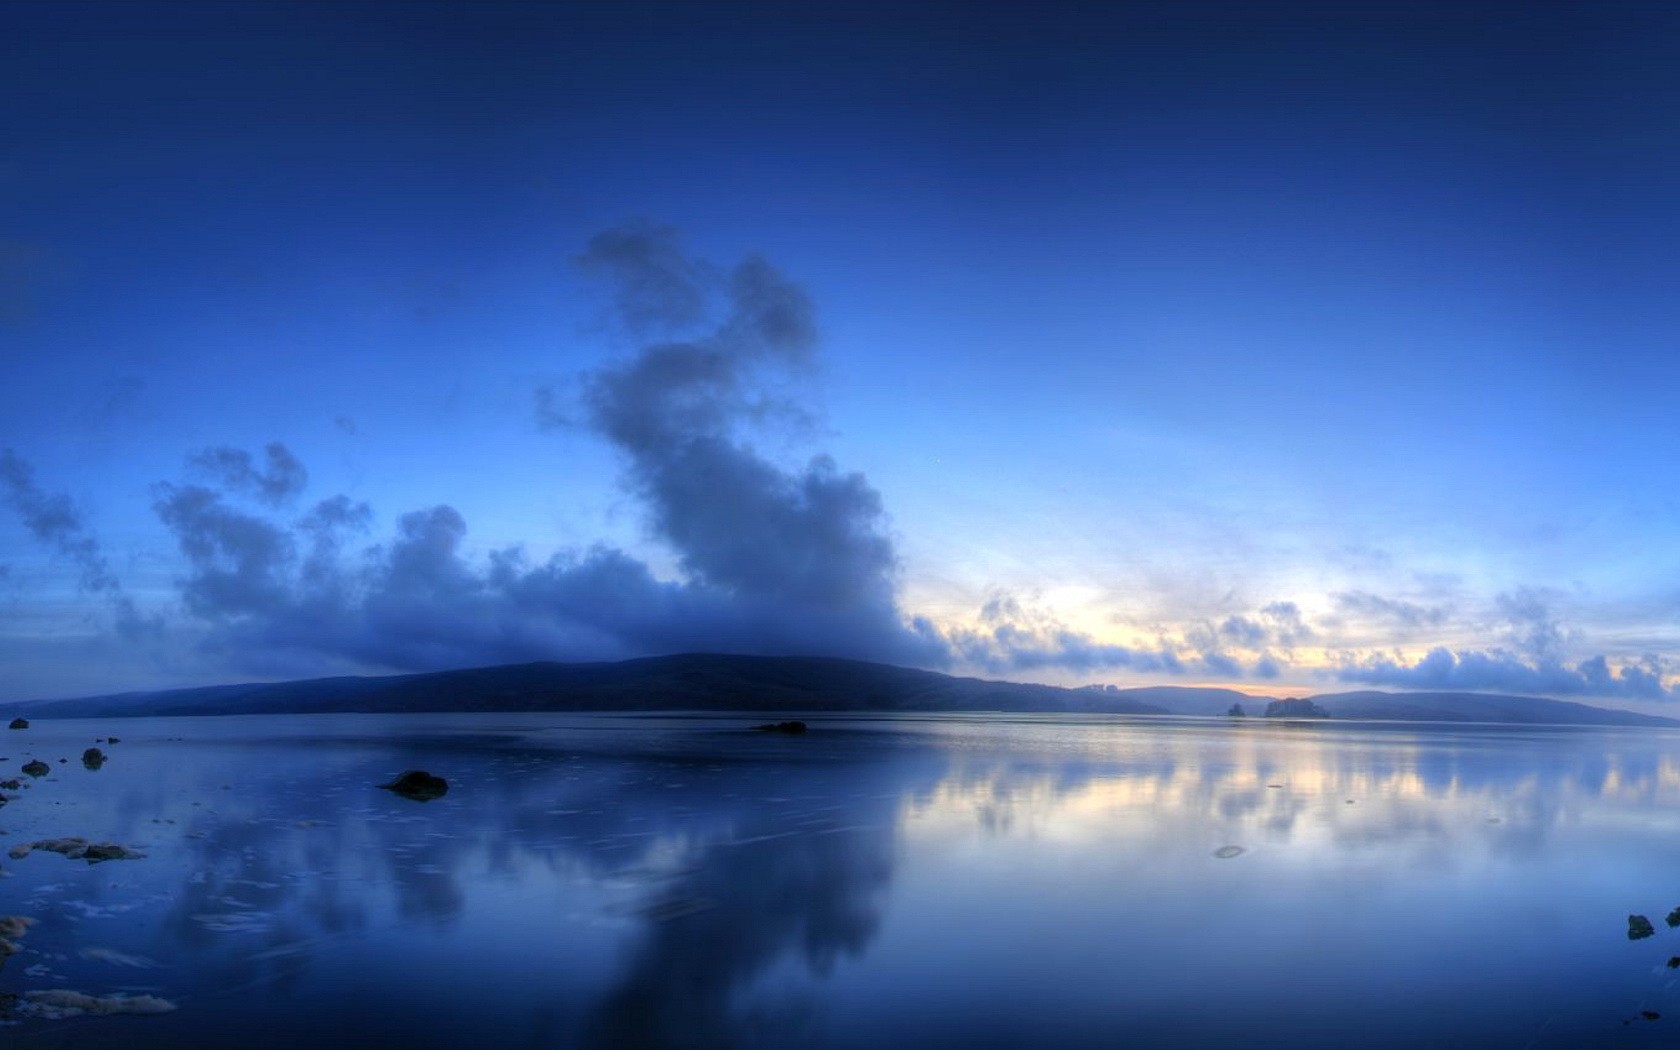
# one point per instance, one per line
(418, 785)
(1639, 927)
(93, 758)
(20, 723)
(36, 768)
(781, 727)
(12, 928)
(77, 849)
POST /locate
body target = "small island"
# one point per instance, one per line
(1295, 707)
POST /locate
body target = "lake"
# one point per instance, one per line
(985, 881)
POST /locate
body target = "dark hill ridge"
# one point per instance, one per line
(696, 682)
(715, 682)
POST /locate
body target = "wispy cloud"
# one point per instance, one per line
(54, 519)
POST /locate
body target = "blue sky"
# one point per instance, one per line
(1297, 347)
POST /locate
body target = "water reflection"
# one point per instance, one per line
(680, 882)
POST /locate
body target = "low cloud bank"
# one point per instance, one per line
(1503, 671)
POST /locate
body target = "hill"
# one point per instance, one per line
(694, 682)
(1479, 707)
(716, 682)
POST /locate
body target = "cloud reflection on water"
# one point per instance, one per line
(682, 883)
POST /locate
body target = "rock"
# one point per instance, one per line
(59, 1003)
(1295, 707)
(93, 758)
(20, 723)
(112, 740)
(78, 849)
(418, 785)
(1236, 711)
(1673, 919)
(36, 768)
(781, 727)
(13, 927)
(1639, 927)
(1674, 962)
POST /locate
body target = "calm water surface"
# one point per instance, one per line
(603, 881)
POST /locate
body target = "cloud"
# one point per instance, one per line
(1393, 611)
(772, 559)
(1504, 671)
(1011, 635)
(1288, 628)
(1531, 627)
(653, 282)
(235, 469)
(53, 519)
(238, 562)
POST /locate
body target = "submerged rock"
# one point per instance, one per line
(1639, 927)
(57, 1003)
(11, 785)
(77, 849)
(93, 758)
(781, 727)
(13, 927)
(418, 785)
(1227, 852)
(20, 723)
(1673, 919)
(36, 768)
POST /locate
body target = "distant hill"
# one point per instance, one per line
(1479, 707)
(714, 682)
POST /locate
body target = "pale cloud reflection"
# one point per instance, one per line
(1316, 791)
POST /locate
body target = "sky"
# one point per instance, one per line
(1292, 347)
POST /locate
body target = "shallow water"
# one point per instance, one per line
(965, 882)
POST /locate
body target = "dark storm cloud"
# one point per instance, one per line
(773, 559)
(810, 542)
(280, 479)
(53, 519)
